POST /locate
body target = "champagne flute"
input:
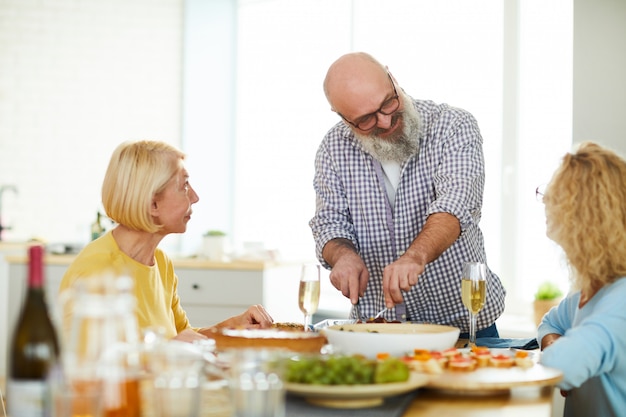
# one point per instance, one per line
(309, 292)
(473, 289)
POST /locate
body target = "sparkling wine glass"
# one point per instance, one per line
(309, 292)
(473, 289)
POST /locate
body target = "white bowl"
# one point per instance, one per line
(396, 339)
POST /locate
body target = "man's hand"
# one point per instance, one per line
(349, 273)
(400, 275)
(438, 234)
(350, 276)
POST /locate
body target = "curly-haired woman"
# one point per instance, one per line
(585, 335)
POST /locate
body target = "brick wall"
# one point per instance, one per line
(77, 77)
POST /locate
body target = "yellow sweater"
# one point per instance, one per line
(155, 286)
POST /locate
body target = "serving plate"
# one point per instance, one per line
(355, 396)
(490, 380)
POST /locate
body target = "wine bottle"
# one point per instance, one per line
(97, 229)
(34, 349)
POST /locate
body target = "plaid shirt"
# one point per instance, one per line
(446, 175)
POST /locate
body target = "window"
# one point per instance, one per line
(507, 62)
(282, 113)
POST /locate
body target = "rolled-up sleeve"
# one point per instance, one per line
(332, 214)
(459, 179)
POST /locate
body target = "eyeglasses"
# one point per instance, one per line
(539, 192)
(369, 121)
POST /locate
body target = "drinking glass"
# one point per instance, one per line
(4, 412)
(473, 289)
(309, 292)
(177, 374)
(256, 382)
(101, 364)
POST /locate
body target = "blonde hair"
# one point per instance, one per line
(137, 172)
(585, 204)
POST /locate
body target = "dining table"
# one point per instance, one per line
(538, 400)
(420, 403)
(535, 400)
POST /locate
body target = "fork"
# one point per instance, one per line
(380, 313)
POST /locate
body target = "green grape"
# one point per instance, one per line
(345, 370)
(391, 370)
(350, 379)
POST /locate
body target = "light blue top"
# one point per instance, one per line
(591, 352)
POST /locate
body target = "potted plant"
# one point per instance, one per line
(215, 233)
(213, 245)
(547, 296)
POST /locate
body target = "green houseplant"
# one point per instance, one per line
(547, 296)
(215, 233)
(213, 243)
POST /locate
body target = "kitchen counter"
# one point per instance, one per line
(199, 263)
(7, 246)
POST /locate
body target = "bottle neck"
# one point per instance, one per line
(35, 266)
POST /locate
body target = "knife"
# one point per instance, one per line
(359, 317)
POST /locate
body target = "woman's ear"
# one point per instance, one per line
(154, 208)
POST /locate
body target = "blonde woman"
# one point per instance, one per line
(585, 335)
(146, 191)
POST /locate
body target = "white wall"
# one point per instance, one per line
(599, 72)
(76, 79)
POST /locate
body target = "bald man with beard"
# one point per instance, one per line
(399, 188)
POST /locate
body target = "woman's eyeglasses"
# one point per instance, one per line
(539, 192)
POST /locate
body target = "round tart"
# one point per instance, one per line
(501, 361)
(462, 364)
(293, 340)
(288, 326)
(522, 359)
(482, 355)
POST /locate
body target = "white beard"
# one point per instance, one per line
(400, 146)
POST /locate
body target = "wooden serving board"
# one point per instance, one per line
(494, 379)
